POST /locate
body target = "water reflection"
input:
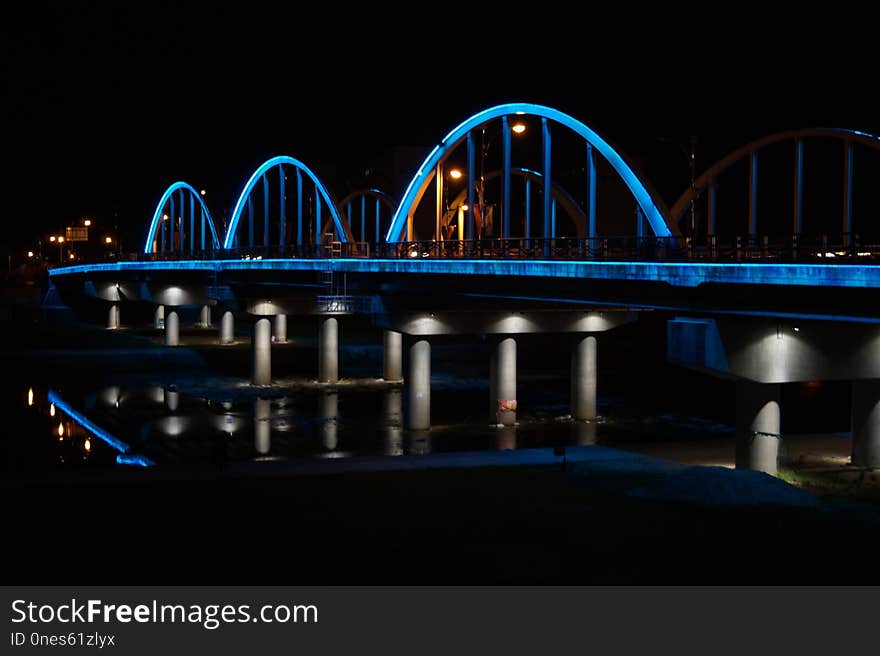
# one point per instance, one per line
(328, 402)
(263, 426)
(418, 443)
(172, 398)
(505, 438)
(584, 432)
(392, 422)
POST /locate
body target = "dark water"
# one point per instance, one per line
(130, 410)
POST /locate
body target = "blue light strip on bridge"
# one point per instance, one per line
(157, 216)
(679, 274)
(100, 433)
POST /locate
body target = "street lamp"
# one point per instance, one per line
(455, 174)
(518, 128)
(108, 240)
(60, 249)
(87, 222)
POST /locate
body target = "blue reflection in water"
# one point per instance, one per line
(124, 458)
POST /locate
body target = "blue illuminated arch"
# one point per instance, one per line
(341, 226)
(157, 215)
(414, 191)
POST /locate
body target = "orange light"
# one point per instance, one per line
(164, 217)
(52, 238)
(30, 396)
(70, 256)
(465, 207)
(455, 174)
(87, 445)
(202, 192)
(519, 128)
(87, 222)
(108, 240)
(60, 429)
(52, 410)
(60, 240)
(30, 253)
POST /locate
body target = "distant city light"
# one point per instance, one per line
(52, 410)
(465, 207)
(164, 217)
(70, 256)
(52, 238)
(60, 429)
(60, 240)
(87, 222)
(108, 240)
(30, 253)
(87, 445)
(30, 396)
(519, 128)
(455, 174)
(202, 192)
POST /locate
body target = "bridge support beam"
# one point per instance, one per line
(583, 379)
(172, 327)
(280, 328)
(392, 368)
(262, 426)
(757, 426)
(159, 317)
(227, 327)
(171, 398)
(328, 351)
(418, 386)
(205, 317)
(113, 317)
(262, 350)
(502, 382)
(866, 423)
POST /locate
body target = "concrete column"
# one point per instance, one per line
(205, 316)
(113, 317)
(227, 327)
(866, 423)
(757, 426)
(393, 361)
(262, 349)
(280, 328)
(583, 379)
(172, 328)
(159, 317)
(262, 426)
(328, 351)
(329, 419)
(502, 382)
(418, 386)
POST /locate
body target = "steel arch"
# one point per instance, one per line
(157, 215)
(649, 204)
(341, 226)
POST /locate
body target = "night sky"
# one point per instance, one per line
(103, 108)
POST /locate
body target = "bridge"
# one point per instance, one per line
(524, 249)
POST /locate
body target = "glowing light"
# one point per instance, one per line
(455, 174)
(52, 238)
(796, 329)
(60, 240)
(87, 222)
(108, 240)
(30, 253)
(636, 187)
(60, 429)
(341, 226)
(52, 410)
(519, 128)
(202, 192)
(520, 113)
(87, 445)
(70, 256)
(30, 396)
(154, 224)
(465, 207)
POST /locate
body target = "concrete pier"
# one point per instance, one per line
(583, 379)
(418, 386)
(502, 378)
(392, 368)
(227, 327)
(205, 317)
(280, 328)
(172, 328)
(758, 424)
(328, 351)
(866, 423)
(159, 317)
(262, 351)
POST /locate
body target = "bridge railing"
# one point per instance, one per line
(846, 249)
